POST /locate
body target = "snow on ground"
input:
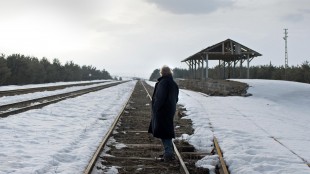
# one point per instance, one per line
(60, 138)
(24, 97)
(245, 126)
(13, 87)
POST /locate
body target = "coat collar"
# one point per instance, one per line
(164, 77)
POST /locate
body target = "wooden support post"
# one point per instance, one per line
(234, 70)
(187, 64)
(195, 69)
(202, 69)
(198, 70)
(219, 72)
(248, 66)
(224, 70)
(191, 71)
(231, 48)
(229, 69)
(189, 68)
(207, 66)
(240, 68)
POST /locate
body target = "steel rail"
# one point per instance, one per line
(51, 99)
(92, 161)
(219, 152)
(185, 170)
(303, 159)
(147, 91)
(217, 148)
(36, 89)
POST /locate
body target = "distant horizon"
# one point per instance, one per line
(132, 76)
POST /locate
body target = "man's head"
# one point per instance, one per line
(165, 71)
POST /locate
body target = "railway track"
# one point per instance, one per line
(222, 167)
(15, 108)
(128, 148)
(38, 89)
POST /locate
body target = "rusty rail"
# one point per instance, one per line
(219, 152)
(92, 161)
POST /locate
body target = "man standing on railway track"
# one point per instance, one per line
(164, 99)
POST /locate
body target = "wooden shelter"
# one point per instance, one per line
(229, 53)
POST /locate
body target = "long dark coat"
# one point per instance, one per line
(164, 101)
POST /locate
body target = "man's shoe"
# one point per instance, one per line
(169, 158)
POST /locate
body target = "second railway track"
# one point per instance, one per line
(15, 108)
(45, 88)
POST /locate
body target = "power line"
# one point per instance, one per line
(286, 55)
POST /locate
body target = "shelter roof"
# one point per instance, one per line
(227, 50)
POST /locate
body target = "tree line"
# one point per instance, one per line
(299, 73)
(177, 73)
(17, 69)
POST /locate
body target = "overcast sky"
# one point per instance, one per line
(134, 37)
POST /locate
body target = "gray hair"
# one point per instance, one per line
(165, 71)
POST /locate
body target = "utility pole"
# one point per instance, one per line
(286, 56)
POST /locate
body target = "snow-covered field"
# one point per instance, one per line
(245, 126)
(59, 138)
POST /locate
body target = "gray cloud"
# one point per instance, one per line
(307, 11)
(191, 6)
(79, 8)
(297, 17)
